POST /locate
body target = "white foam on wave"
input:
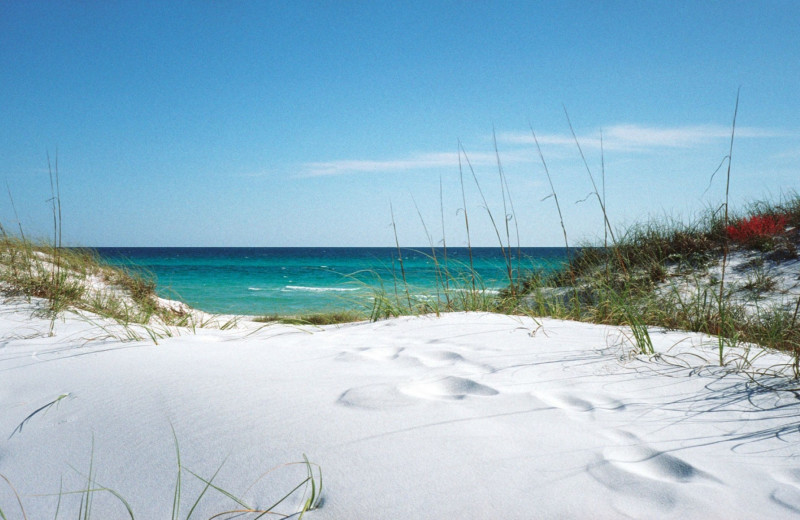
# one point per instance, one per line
(318, 289)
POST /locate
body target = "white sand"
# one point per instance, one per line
(752, 281)
(463, 416)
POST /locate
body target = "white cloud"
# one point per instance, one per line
(527, 138)
(423, 161)
(429, 160)
(631, 137)
(515, 148)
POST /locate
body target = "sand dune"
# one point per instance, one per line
(467, 415)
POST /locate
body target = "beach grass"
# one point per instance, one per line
(666, 273)
(658, 273)
(67, 278)
(655, 273)
(663, 272)
(77, 279)
(311, 489)
(315, 318)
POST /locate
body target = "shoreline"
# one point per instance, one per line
(291, 281)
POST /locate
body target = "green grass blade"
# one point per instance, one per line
(60, 491)
(227, 494)
(276, 504)
(86, 499)
(120, 498)
(208, 485)
(19, 500)
(176, 497)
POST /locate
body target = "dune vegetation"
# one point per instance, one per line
(731, 274)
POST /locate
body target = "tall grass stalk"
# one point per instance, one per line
(594, 187)
(591, 177)
(440, 284)
(394, 282)
(506, 192)
(726, 240)
(605, 202)
(16, 216)
(55, 192)
(444, 244)
(466, 217)
(553, 193)
(400, 255)
(506, 254)
(55, 199)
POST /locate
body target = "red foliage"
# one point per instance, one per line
(757, 227)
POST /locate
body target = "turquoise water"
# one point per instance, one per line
(261, 281)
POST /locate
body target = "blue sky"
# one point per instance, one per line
(298, 123)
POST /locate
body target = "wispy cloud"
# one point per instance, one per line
(424, 161)
(514, 148)
(631, 137)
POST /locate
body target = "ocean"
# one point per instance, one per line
(285, 281)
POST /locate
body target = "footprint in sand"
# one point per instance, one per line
(448, 387)
(379, 354)
(579, 402)
(653, 464)
(439, 358)
(626, 451)
(787, 495)
(634, 496)
(646, 481)
(789, 476)
(374, 397)
(402, 356)
(381, 396)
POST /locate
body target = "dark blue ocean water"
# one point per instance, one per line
(258, 281)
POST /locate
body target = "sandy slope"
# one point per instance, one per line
(463, 416)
